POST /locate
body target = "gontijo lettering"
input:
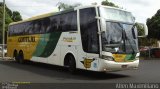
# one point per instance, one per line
(26, 39)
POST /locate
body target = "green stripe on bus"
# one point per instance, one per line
(130, 57)
(41, 46)
(47, 45)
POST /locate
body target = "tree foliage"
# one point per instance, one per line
(144, 41)
(107, 3)
(140, 28)
(63, 6)
(154, 26)
(9, 17)
(16, 16)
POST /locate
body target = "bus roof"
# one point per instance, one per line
(41, 16)
(61, 12)
(33, 18)
(82, 7)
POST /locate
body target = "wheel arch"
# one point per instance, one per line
(15, 53)
(66, 60)
(20, 51)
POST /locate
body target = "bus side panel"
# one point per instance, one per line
(10, 46)
(25, 43)
(46, 50)
(69, 44)
(55, 56)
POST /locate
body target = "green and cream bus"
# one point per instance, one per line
(96, 38)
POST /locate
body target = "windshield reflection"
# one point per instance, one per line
(119, 38)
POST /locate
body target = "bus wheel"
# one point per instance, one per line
(72, 64)
(21, 57)
(15, 56)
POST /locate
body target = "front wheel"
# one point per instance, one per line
(72, 65)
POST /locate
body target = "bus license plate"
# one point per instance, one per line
(124, 66)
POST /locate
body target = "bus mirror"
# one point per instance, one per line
(98, 17)
(101, 32)
(142, 29)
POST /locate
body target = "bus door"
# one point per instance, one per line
(89, 38)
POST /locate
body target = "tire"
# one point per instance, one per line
(21, 57)
(15, 56)
(72, 65)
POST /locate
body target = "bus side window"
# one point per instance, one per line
(63, 22)
(36, 27)
(89, 29)
(10, 31)
(54, 24)
(73, 21)
(16, 30)
(28, 29)
(45, 23)
(69, 21)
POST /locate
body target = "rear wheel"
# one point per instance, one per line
(15, 56)
(21, 57)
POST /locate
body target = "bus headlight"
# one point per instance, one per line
(109, 58)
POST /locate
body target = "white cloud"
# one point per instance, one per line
(141, 9)
(29, 8)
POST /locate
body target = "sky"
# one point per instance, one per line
(141, 9)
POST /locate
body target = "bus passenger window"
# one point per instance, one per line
(89, 29)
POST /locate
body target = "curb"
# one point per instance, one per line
(6, 58)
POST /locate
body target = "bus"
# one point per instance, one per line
(95, 38)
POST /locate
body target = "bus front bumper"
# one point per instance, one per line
(117, 66)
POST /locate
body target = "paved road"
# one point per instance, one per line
(10, 71)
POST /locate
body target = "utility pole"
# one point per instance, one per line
(3, 30)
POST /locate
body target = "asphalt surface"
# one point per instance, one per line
(149, 71)
(10, 71)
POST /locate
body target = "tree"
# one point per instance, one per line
(140, 29)
(63, 6)
(16, 16)
(154, 26)
(144, 41)
(107, 3)
(9, 17)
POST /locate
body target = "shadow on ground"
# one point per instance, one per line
(60, 72)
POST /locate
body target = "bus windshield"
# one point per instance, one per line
(119, 38)
(120, 33)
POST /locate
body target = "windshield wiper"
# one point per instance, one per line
(112, 45)
(129, 42)
(133, 32)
